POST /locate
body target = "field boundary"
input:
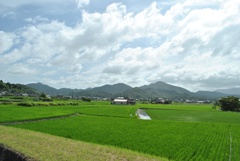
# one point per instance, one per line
(56, 117)
(40, 119)
(230, 148)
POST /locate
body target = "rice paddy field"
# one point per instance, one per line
(177, 132)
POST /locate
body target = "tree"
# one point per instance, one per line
(43, 95)
(86, 99)
(216, 105)
(3, 86)
(229, 103)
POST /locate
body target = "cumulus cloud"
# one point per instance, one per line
(192, 44)
(202, 45)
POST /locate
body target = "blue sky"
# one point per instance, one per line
(194, 44)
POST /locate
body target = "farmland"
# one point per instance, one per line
(176, 132)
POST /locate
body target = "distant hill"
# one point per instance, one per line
(164, 90)
(44, 88)
(135, 93)
(209, 94)
(154, 90)
(162, 86)
(16, 88)
(114, 89)
(67, 91)
(103, 91)
(230, 91)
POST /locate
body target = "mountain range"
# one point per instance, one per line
(154, 90)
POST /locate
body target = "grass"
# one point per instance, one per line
(177, 131)
(39, 146)
(169, 139)
(13, 112)
(192, 115)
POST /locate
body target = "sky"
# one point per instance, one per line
(194, 44)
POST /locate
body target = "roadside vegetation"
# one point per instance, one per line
(176, 131)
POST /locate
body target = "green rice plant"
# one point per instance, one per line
(177, 131)
(191, 115)
(170, 139)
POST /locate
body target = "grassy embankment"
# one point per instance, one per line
(40, 146)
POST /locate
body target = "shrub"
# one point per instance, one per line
(25, 104)
(86, 99)
(19, 97)
(46, 99)
(52, 104)
(229, 103)
(6, 103)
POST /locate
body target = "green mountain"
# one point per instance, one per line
(158, 86)
(17, 88)
(230, 91)
(104, 91)
(151, 91)
(136, 93)
(114, 89)
(212, 95)
(44, 88)
(164, 90)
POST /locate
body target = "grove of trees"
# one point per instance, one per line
(230, 103)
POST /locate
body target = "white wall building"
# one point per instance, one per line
(120, 101)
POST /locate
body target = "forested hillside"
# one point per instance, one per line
(16, 88)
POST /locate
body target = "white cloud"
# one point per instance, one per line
(6, 41)
(21, 69)
(190, 53)
(82, 3)
(15, 4)
(12, 5)
(9, 14)
(37, 19)
(191, 44)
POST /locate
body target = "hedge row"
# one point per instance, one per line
(6, 103)
(45, 104)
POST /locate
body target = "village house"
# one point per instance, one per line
(123, 101)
